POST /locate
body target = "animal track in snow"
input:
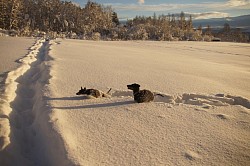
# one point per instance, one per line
(208, 101)
(205, 101)
(119, 93)
(222, 116)
(190, 155)
(22, 95)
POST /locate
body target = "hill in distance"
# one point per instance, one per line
(242, 22)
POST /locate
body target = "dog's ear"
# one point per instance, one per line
(137, 85)
(81, 87)
(84, 88)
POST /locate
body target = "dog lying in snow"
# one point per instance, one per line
(92, 92)
(141, 96)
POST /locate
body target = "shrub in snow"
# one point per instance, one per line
(37, 33)
(197, 36)
(175, 39)
(13, 33)
(113, 35)
(3, 32)
(96, 36)
(72, 35)
(137, 33)
(207, 38)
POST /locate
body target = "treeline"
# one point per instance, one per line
(94, 21)
(29, 16)
(163, 27)
(231, 35)
(57, 18)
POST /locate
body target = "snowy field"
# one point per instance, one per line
(203, 117)
(12, 49)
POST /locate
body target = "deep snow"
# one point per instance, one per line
(206, 130)
(11, 50)
(203, 118)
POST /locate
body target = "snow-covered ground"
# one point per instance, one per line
(203, 118)
(12, 49)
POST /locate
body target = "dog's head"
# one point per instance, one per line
(81, 91)
(133, 86)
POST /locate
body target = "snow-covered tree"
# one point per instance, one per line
(11, 14)
(4, 14)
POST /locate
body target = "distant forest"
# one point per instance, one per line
(55, 18)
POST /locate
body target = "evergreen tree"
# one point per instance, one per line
(208, 31)
(10, 14)
(182, 21)
(200, 28)
(190, 23)
(115, 19)
(4, 14)
(226, 28)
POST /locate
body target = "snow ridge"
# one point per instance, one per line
(9, 93)
(26, 132)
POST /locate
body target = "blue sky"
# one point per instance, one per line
(200, 9)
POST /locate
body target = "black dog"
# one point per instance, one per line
(92, 92)
(141, 96)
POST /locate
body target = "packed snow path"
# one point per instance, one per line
(23, 115)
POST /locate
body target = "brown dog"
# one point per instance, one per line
(92, 92)
(141, 96)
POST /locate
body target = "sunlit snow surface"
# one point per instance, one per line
(202, 119)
